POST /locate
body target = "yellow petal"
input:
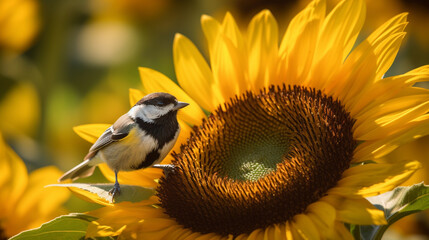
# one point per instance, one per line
(159, 234)
(232, 32)
(394, 25)
(192, 236)
(96, 230)
(373, 179)
(385, 54)
(262, 49)
(368, 62)
(208, 236)
(135, 96)
(120, 218)
(314, 11)
(369, 150)
(44, 203)
(298, 45)
(156, 224)
(154, 81)
(194, 74)
(180, 233)
(385, 89)
(275, 232)
(305, 227)
(227, 67)
(323, 216)
(41, 199)
(212, 29)
(13, 179)
(227, 55)
(143, 177)
(356, 211)
(390, 117)
(291, 232)
(342, 26)
(91, 132)
(337, 37)
(242, 236)
(392, 182)
(185, 133)
(256, 234)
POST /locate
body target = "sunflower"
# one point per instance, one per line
(20, 23)
(295, 136)
(22, 193)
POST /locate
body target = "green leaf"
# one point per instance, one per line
(354, 230)
(72, 226)
(129, 193)
(396, 204)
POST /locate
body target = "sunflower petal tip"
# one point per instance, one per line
(145, 70)
(141, 69)
(415, 165)
(266, 12)
(205, 18)
(76, 129)
(177, 36)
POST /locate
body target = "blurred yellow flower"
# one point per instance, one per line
(26, 203)
(20, 111)
(19, 24)
(297, 134)
(134, 9)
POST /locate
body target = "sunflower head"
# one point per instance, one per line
(259, 161)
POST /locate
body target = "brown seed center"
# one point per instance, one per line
(259, 161)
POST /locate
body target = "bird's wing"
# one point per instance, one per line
(118, 131)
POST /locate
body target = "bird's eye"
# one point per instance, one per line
(159, 103)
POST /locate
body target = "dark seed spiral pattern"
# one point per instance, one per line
(315, 133)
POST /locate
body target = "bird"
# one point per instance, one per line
(139, 139)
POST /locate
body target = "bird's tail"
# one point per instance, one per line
(84, 169)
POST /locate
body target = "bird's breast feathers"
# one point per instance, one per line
(129, 153)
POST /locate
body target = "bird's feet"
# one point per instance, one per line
(115, 191)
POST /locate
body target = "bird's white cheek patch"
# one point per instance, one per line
(150, 112)
(139, 111)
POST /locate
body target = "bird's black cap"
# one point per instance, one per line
(158, 99)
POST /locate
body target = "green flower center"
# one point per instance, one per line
(255, 155)
(258, 161)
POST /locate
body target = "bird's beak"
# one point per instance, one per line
(180, 105)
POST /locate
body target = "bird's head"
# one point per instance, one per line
(155, 106)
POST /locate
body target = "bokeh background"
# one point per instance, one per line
(71, 62)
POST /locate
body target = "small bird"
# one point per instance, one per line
(138, 139)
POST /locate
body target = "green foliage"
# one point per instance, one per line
(72, 226)
(396, 204)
